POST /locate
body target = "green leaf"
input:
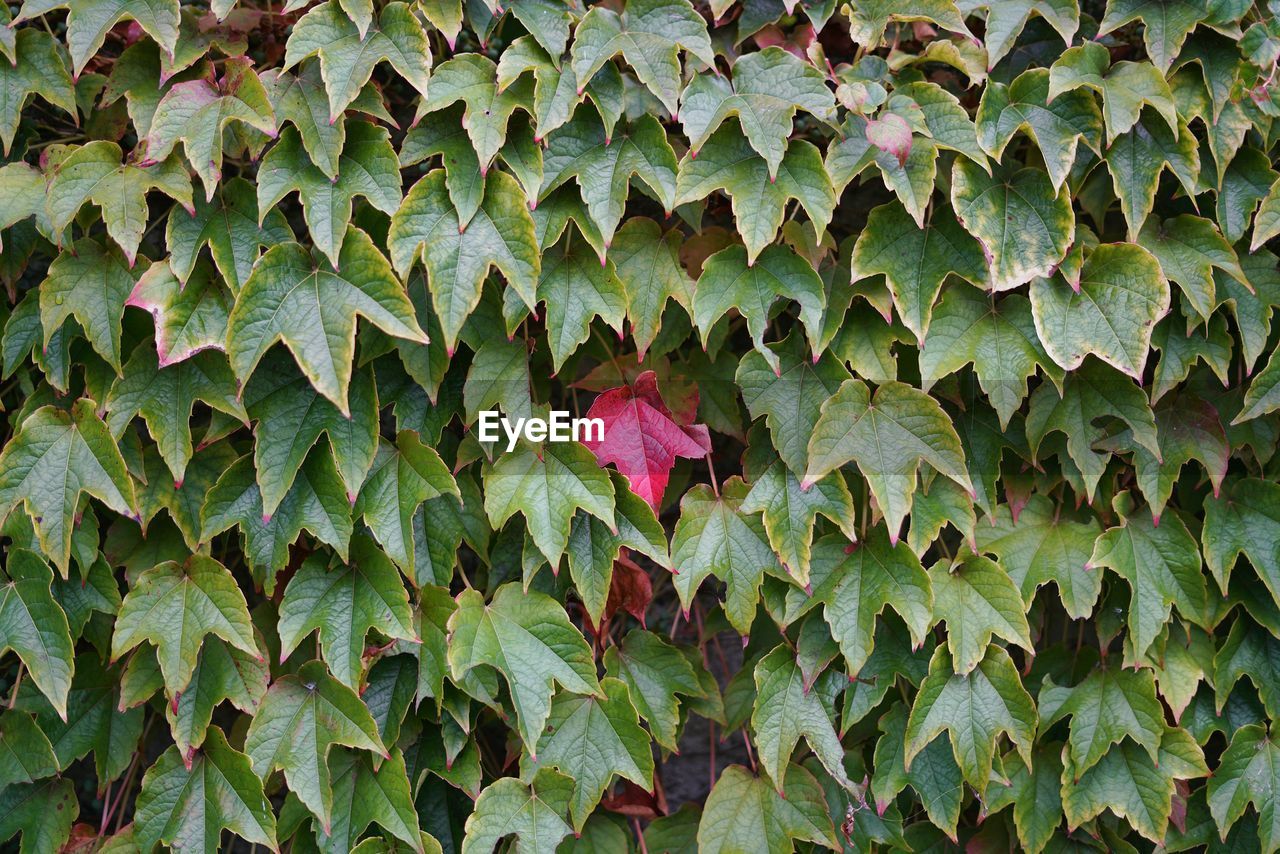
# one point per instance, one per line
(165, 397)
(744, 812)
(1007, 20)
(403, 476)
(528, 638)
(301, 717)
(535, 813)
(786, 710)
(790, 513)
(291, 417)
(974, 708)
(343, 603)
(458, 258)
(431, 614)
(1136, 160)
(196, 113)
(1166, 24)
(915, 261)
(363, 795)
(934, 774)
(90, 283)
(1057, 118)
(89, 22)
(230, 226)
(347, 56)
(978, 601)
(36, 67)
(556, 93)
(593, 547)
(911, 179)
(576, 288)
(1092, 392)
(1125, 87)
(732, 278)
(28, 754)
(1240, 521)
(1267, 223)
(93, 174)
(368, 167)
(24, 336)
(1179, 352)
(998, 337)
(1023, 224)
(715, 537)
(592, 739)
(1263, 394)
(316, 502)
(650, 35)
(498, 379)
(23, 189)
(1110, 705)
(1252, 306)
(1248, 772)
(655, 672)
(789, 391)
(302, 100)
(727, 162)
(547, 490)
(1189, 430)
(186, 802)
(604, 165)
(647, 261)
(888, 435)
(174, 606)
(1247, 651)
(35, 627)
(222, 673)
(291, 298)
(945, 119)
(471, 78)
(1161, 563)
(854, 584)
(94, 723)
(767, 89)
(868, 18)
(1042, 543)
(54, 458)
(95, 591)
(43, 812)
(188, 318)
(1110, 313)
(1189, 248)
(1132, 785)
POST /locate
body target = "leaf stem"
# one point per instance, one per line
(17, 683)
(635, 822)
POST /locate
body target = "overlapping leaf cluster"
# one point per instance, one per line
(932, 341)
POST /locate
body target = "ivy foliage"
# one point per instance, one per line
(936, 506)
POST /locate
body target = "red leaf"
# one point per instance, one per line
(679, 393)
(642, 439)
(632, 801)
(891, 134)
(630, 591)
